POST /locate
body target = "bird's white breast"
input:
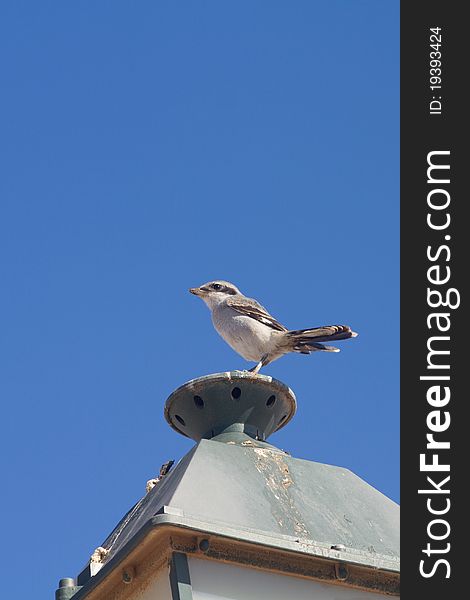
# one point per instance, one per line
(245, 335)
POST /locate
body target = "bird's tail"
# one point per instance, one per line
(310, 340)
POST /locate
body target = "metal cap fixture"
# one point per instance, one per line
(232, 402)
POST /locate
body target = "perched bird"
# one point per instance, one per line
(251, 331)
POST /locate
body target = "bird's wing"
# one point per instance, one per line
(253, 309)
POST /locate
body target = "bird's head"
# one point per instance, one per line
(214, 292)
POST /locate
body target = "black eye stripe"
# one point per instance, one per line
(219, 287)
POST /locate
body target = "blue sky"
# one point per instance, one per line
(148, 147)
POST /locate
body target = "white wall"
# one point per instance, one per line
(218, 581)
(159, 589)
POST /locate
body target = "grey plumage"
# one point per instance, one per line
(254, 333)
(253, 309)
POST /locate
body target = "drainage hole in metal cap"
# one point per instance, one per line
(236, 393)
(271, 400)
(180, 420)
(198, 401)
(283, 419)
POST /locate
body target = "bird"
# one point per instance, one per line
(256, 335)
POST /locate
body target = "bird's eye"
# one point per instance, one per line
(216, 286)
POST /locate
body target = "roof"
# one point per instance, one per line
(233, 483)
(248, 486)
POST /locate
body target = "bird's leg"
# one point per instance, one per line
(256, 368)
(264, 361)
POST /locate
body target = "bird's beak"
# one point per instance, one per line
(200, 291)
